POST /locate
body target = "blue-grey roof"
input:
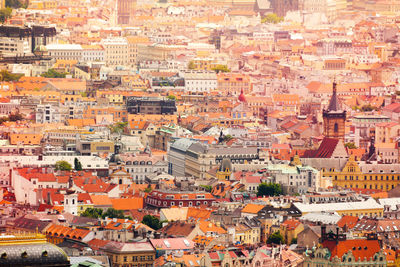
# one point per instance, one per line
(182, 144)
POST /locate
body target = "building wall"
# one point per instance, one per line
(130, 259)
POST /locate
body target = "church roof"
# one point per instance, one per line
(325, 150)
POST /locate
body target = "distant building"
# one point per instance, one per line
(147, 105)
(35, 35)
(281, 7)
(130, 254)
(126, 10)
(166, 199)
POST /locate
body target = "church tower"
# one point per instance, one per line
(334, 118)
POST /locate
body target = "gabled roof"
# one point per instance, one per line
(127, 203)
(291, 224)
(252, 208)
(348, 221)
(325, 150)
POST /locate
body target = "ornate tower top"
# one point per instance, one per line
(334, 103)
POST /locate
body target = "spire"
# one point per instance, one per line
(334, 103)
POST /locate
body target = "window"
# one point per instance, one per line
(336, 128)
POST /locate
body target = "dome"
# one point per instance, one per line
(45, 254)
(242, 98)
(226, 165)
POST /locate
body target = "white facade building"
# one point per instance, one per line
(200, 81)
(65, 51)
(93, 53)
(116, 51)
(14, 47)
(47, 114)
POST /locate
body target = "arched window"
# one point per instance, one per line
(336, 128)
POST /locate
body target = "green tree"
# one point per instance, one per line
(269, 189)
(113, 213)
(63, 165)
(92, 213)
(5, 13)
(152, 222)
(77, 165)
(15, 117)
(148, 190)
(7, 76)
(191, 65)
(276, 238)
(171, 97)
(368, 107)
(350, 145)
(12, 117)
(228, 137)
(52, 73)
(294, 241)
(208, 188)
(118, 127)
(272, 18)
(221, 68)
(16, 4)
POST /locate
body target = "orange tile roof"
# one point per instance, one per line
(291, 224)
(198, 213)
(81, 122)
(26, 139)
(361, 248)
(63, 231)
(252, 208)
(349, 221)
(101, 200)
(207, 226)
(127, 203)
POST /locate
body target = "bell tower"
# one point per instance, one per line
(334, 117)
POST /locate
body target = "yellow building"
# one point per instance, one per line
(202, 64)
(245, 234)
(289, 229)
(371, 177)
(131, 254)
(82, 206)
(225, 170)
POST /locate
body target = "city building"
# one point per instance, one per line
(148, 105)
(165, 199)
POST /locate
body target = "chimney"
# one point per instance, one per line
(48, 198)
(323, 233)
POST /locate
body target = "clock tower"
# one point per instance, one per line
(334, 117)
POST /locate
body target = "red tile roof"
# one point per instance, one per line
(291, 224)
(349, 221)
(361, 248)
(325, 150)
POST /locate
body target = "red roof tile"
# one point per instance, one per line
(361, 248)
